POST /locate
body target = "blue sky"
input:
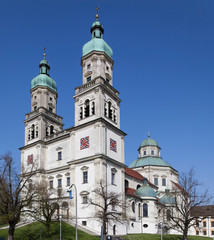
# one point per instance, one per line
(164, 58)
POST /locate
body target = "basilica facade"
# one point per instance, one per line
(93, 149)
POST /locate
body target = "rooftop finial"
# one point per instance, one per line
(97, 15)
(148, 134)
(44, 54)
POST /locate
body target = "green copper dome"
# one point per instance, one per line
(167, 198)
(145, 190)
(149, 142)
(97, 43)
(149, 161)
(44, 79)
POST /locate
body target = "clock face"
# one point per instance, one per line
(113, 145)
(84, 143)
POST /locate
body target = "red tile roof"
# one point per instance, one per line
(136, 175)
(131, 191)
(178, 186)
(133, 174)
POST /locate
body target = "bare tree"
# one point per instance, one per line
(110, 206)
(45, 204)
(187, 198)
(15, 192)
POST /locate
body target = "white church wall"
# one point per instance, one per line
(53, 149)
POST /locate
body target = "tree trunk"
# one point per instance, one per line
(185, 234)
(11, 232)
(47, 229)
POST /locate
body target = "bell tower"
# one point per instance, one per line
(42, 121)
(96, 97)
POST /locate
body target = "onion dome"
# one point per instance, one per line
(97, 43)
(145, 190)
(149, 161)
(167, 198)
(44, 79)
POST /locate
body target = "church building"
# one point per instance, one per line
(93, 149)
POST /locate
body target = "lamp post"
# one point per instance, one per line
(70, 196)
(60, 232)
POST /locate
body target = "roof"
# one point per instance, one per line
(178, 186)
(149, 142)
(131, 192)
(97, 43)
(145, 190)
(203, 211)
(167, 198)
(133, 174)
(149, 161)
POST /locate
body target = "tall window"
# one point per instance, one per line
(59, 182)
(109, 110)
(152, 152)
(87, 108)
(51, 129)
(212, 224)
(145, 210)
(88, 79)
(85, 177)
(51, 184)
(112, 178)
(126, 183)
(81, 113)
(144, 153)
(60, 155)
(139, 210)
(163, 181)
(156, 181)
(133, 207)
(33, 132)
(68, 181)
(168, 215)
(93, 108)
(204, 224)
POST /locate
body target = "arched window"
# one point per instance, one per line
(28, 135)
(93, 108)
(145, 210)
(81, 113)
(168, 215)
(87, 108)
(138, 186)
(105, 110)
(33, 132)
(139, 210)
(133, 207)
(126, 183)
(46, 133)
(114, 116)
(51, 129)
(109, 110)
(36, 131)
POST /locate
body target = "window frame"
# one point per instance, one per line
(85, 177)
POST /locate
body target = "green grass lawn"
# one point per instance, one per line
(32, 232)
(158, 237)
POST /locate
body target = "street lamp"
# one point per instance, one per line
(70, 196)
(60, 232)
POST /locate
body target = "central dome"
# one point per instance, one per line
(149, 161)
